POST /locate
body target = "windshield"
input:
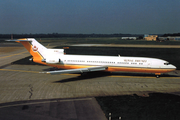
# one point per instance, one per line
(166, 63)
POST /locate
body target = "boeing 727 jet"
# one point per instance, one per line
(89, 63)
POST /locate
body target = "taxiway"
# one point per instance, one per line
(21, 83)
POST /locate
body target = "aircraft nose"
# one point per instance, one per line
(173, 67)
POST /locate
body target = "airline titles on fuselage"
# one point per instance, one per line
(125, 61)
(131, 60)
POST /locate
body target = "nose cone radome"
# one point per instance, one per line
(173, 67)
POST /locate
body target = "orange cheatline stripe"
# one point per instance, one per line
(22, 39)
(146, 70)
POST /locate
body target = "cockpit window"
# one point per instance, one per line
(166, 63)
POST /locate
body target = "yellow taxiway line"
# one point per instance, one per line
(18, 70)
(13, 55)
(106, 76)
(145, 77)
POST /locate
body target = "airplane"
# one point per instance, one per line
(91, 63)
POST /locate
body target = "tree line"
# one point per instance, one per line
(58, 35)
(173, 34)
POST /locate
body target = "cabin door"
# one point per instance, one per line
(149, 64)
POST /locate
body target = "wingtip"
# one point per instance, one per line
(42, 72)
(45, 72)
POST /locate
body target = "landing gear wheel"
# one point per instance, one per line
(157, 76)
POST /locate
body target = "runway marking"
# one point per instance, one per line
(133, 76)
(18, 70)
(130, 76)
(49, 101)
(71, 74)
(31, 71)
(13, 55)
(106, 76)
(145, 77)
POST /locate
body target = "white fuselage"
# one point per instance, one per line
(56, 58)
(115, 63)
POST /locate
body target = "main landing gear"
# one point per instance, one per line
(157, 75)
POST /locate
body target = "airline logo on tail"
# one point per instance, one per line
(34, 48)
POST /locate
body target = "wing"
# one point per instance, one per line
(82, 70)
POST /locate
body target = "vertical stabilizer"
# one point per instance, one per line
(34, 47)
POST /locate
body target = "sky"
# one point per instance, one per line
(89, 16)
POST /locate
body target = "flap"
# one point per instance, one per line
(82, 70)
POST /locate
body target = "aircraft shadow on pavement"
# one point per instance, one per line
(99, 74)
(85, 76)
(141, 74)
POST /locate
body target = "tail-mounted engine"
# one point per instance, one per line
(51, 60)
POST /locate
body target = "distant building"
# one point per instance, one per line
(173, 38)
(150, 37)
(162, 38)
(177, 38)
(129, 38)
(146, 35)
(169, 38)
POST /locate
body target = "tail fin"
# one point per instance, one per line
(35, 48)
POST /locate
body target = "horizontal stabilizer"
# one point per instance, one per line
(82, 70)
(23, 40)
